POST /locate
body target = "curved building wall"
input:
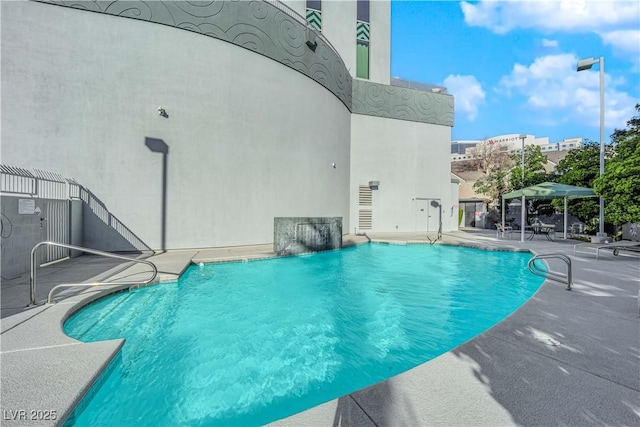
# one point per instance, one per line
(248, 138)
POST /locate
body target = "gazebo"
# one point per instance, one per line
(547, 190)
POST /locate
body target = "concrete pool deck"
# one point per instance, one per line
(563, 358)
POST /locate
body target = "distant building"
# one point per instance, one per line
(564, 145)
(460, 150)
(470, 201)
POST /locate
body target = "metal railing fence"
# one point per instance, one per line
(55, 220)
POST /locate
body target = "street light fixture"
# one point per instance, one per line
(585, 64)
(522, 212)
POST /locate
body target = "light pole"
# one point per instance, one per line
(522, 213)
(585, 64)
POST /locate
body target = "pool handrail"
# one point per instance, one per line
(34, 251)
(559, 277)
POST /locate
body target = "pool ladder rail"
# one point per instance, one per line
(535, 268)
(154, 270)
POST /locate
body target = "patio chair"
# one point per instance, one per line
(577, 228)
(502, 231)
(549, 230)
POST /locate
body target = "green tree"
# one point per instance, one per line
(581, 167)
(620, 183)
(505, 176)
(534, 171)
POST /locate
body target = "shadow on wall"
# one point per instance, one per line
(159, 146)
(104, 231)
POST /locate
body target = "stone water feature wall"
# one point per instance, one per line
(302, 235)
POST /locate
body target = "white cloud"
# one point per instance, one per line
(485, 14)
(616, 22)
(467, 92)
(549, 43)
(625, 41)
(553, 88)
(565, 15)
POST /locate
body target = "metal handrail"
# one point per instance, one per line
(559, 277)
(89, 251)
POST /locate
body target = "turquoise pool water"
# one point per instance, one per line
(249, 343)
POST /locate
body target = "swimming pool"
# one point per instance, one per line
(249, 343)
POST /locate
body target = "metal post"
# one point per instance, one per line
(522, 166)
(32, 281)
(601, 229)
(565, 218)
(522, 213)
(522, 219)
(586, 64)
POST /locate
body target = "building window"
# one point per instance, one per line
(314, 14)
(362, 60)
(363, 11)
(363, 38)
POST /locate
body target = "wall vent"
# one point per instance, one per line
(364, 220)
(364, 196)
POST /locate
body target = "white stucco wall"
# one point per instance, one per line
(410, 160)
(339, 26)
(249, 138)
(380, 46)
(299, 6)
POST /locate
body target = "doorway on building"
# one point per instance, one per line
(427, 214)
(471, 208)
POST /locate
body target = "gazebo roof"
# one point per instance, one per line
(551, 190)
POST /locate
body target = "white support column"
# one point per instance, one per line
(565, 218)
(522, 219)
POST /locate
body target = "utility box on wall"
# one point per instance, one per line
(303, 234)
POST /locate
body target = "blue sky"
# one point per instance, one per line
(512, 65)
